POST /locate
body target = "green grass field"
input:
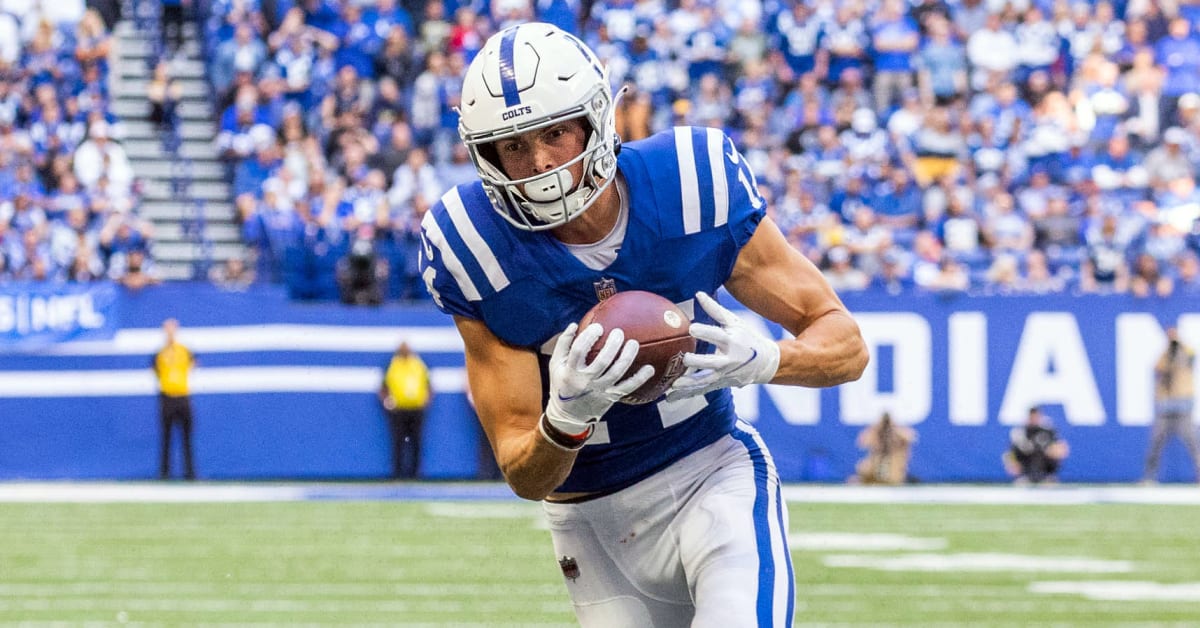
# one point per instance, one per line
(404, 563)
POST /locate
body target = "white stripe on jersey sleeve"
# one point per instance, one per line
(479, 248)
(689, 183)
(434, 234)
(720, 184)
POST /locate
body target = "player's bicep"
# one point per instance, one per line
(775, 280)
(504, 380)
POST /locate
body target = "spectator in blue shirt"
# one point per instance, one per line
(322, 14)
(894, 40)
(942, 64)
(798, 34)
(755, 90)
(705, 48)
(967, 17)
(233, 141)
(867, 144)
(428, 98)
(28, 214)
(1012, 116)
(249, 174)
(561, 13)
(1118, 171)
(383, 15)
(41, 59)
(273, 229)
(846, 42)
(459, 169)
(898, 201)
(894, 276)
(855, 192)
(1038, 44)
(711, 100)
(31, 260)
(295, 61)
(244, 53)
(1186, 269)
(1108, 102)
(1179, 55)
(1104, 268)
(829, 158)
(357, 40)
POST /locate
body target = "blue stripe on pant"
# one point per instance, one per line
(762, 534)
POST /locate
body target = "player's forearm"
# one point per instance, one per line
(828, 352)
(534, 467)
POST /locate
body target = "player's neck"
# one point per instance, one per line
(598, 221)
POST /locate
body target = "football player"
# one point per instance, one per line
(664, 514)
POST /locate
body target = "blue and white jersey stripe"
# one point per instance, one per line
(707, 162)
(689, 180)
(449, 259)
(720, 183)
(696, 184)
(480, 251)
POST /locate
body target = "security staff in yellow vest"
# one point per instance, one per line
(405, 394)
(172, 365)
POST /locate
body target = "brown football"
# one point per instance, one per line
(660, 328)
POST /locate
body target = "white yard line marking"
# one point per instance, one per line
(326, 590)
(113, 492)
(274, 605)
(273, 337)
(1122, 590)
(1062, 494)
(978, 562)
(840, 541)
(476, 510)
(212, 381)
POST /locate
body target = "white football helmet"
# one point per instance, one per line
(528, 77)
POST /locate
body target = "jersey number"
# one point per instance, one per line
(669, 413)
(745, 175)
(429, 273)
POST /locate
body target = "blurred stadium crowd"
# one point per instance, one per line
(980, 146)
(67, 193)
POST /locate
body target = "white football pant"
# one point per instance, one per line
(702, 543)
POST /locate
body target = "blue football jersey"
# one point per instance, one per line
(693, 204)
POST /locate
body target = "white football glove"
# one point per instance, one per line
(743, 356)
(580, 393)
